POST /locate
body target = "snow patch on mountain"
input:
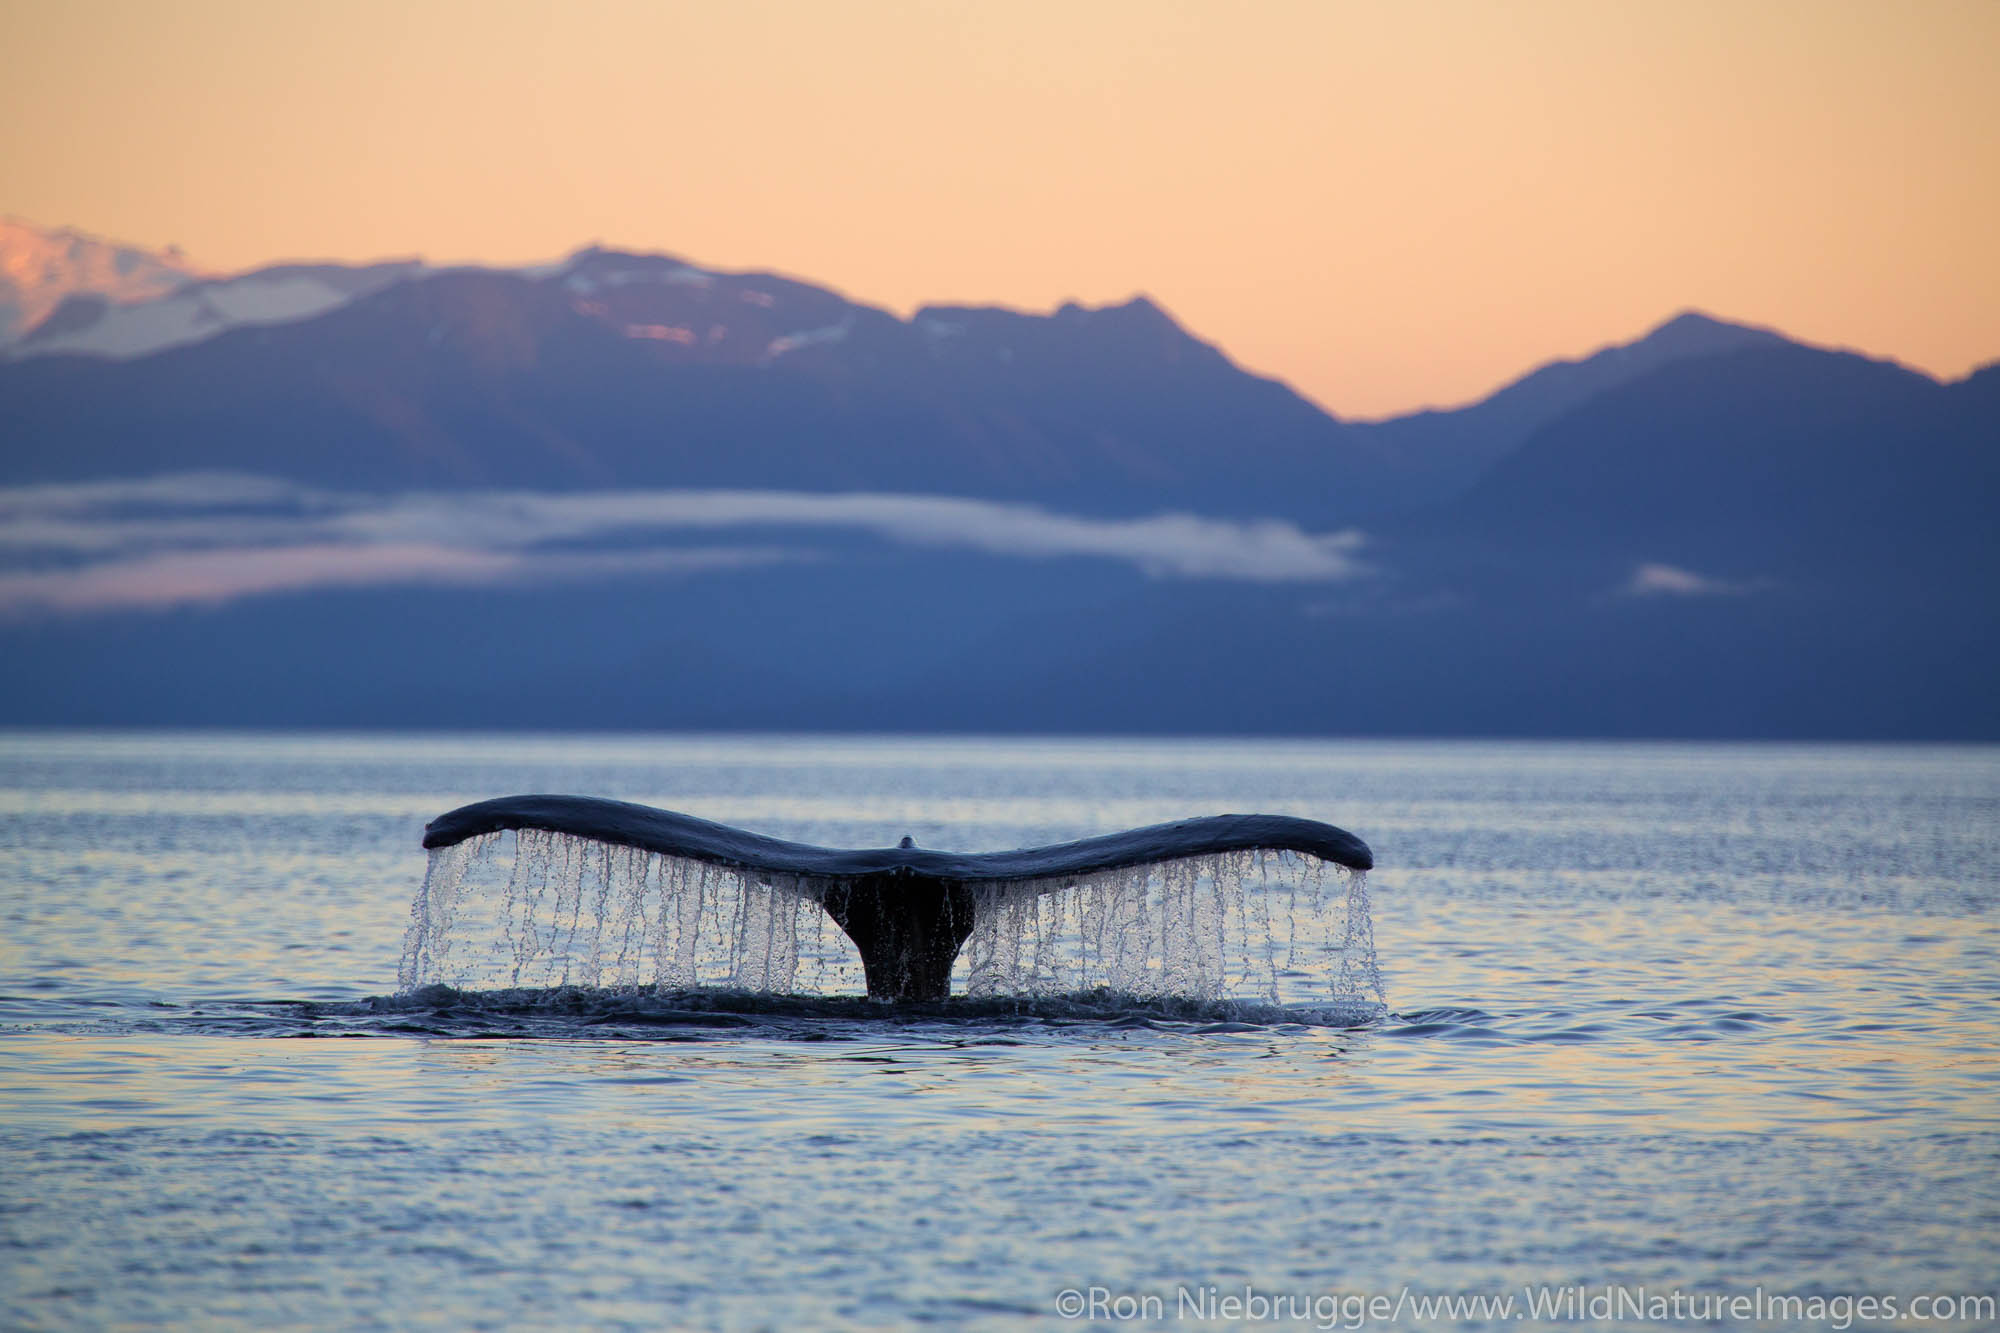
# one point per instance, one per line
(91, 326)
(41, 267)
(792, 342)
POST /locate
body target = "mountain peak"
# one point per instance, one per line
(1139, 317)
(1697, 333)
(40, 267)
(1450, 448)
(1137, 304)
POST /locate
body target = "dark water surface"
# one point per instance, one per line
(1701, 1020)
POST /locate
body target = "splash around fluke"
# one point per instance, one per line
(908, 909)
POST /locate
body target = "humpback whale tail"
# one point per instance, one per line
(909, 910)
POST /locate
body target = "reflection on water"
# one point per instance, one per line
(1708, 1016)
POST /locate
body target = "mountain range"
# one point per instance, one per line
(625, 490)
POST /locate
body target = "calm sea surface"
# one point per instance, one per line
(1709, 1023)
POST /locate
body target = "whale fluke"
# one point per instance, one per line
(908, 909)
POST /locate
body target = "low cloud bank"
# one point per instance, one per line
(211, 538)
(179, 578)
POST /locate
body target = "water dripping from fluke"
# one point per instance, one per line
(603, 894)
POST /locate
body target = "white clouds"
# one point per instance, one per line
(1164, 545)
(215, 537)
(1656, 580)
(179, 578)
(178, 490)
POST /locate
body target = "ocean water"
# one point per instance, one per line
(1673, 1034)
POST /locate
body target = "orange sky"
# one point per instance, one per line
(1386, 204)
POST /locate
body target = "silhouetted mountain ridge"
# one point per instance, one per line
(1779, 462)
(1444, 451)
(643, 371)
(1710, 531)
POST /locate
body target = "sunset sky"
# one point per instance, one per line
(1386, 205)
